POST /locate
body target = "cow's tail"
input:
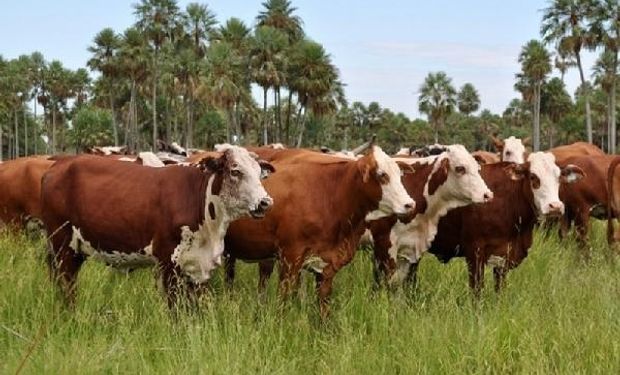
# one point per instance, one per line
(611, 209)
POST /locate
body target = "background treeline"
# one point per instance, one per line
(179, 75)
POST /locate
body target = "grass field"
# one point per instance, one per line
(558, 314)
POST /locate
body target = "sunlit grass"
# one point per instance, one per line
(557, 314)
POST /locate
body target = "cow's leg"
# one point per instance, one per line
(171, 283)
(566, 221)
(64, 264)
(324, 285)
(265, 269)
(229, 270)
(289, 276)
(582, 223)
(499, 274)
(412, 276)
(475, 266)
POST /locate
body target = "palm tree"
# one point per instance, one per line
(158, 20)
(267, 64)
(606, 28)
(198, 22)
(59, 88)
(104, 50)
(563, 23)
(38, 66)
(535, 66)
(437, 99)
(604, 74)
(562, 62)
(468, 99)
(555, 103)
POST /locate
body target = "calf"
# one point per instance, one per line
(511, 149)
(318, 216)
(499, 233)
(130, 216)
(438, 185)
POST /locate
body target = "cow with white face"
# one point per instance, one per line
(545, 178)
(438, 184)
(511, 149)
(175, 217)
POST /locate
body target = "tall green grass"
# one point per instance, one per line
(557, 314)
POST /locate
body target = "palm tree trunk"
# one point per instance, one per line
(536, 130)
(53, 138)
(302, 127)
(612, 121)
(265, 138)
(188, 129)
(25, 133)
(154, 101)
(276, 132)
(288, 116)
(114, 126)
(16, 135)
(36, 124)
(586, 94)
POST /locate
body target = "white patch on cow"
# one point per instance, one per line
(112, 150)
(410, 241)
(403, 151)
(394, 197)
(200, 252)
(513, 151)
(221, 147)
(277, 146)
(496, 261)
(542, 164)
(116, 259)
(127, 158)
(315, 264)
(149, 159)
(177, 149)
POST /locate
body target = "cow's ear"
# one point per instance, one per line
(571, 173)
(211, 164)
(498, 143)
(405, 168)
(517, 171)
(479, 159)
(265, 168)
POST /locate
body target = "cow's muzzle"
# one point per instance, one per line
(261, 209)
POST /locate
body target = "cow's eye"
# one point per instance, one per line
(460, 170)
(508, 153)
(235, 173)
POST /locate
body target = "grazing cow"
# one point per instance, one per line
(499, 233)
(588, 197)
(438, 185)
(129, 216)
(108, 150)
(318, 216)
(20, 190)
(511, 149)
(561, 153)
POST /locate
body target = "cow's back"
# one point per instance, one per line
(562, 153)
(20, 189)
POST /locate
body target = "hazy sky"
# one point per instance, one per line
(383, 49)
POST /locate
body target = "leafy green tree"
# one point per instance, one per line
(437, 99)
(535, 67)
(91, 126)
(555, 103)
(158, 20)
(564, 23)
(468, 99)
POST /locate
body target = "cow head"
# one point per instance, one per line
(378, 169)
(456, 176)
(510, 149)
(237, 182)
(544, 179)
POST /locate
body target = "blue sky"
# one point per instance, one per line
(383, 49)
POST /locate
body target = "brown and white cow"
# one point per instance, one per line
(318, 216)
(499, 233)
(20, 189)
(129, 216)
(438, 185)
(511, 149)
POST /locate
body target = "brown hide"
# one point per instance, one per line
(485, 157)
(502, 227)
(586, 196)
(120, 207)
(562, 153)
(319, 207)
(20, 189)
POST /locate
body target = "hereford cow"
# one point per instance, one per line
(20, 190)
(562, 153)
(511, 149)
(438, 185)
(499, 233)
(129, 216)
(318, 216)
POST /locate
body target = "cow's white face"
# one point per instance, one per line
(544, 177)
(513, 150)
(242, 191)
(463, 181)
(394, 197)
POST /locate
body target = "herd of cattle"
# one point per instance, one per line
(308, 210)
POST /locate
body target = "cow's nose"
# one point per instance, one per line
(556, 208)
(410, 206)
(266, 203)
(488, 196)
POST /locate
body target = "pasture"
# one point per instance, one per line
(557, 314)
